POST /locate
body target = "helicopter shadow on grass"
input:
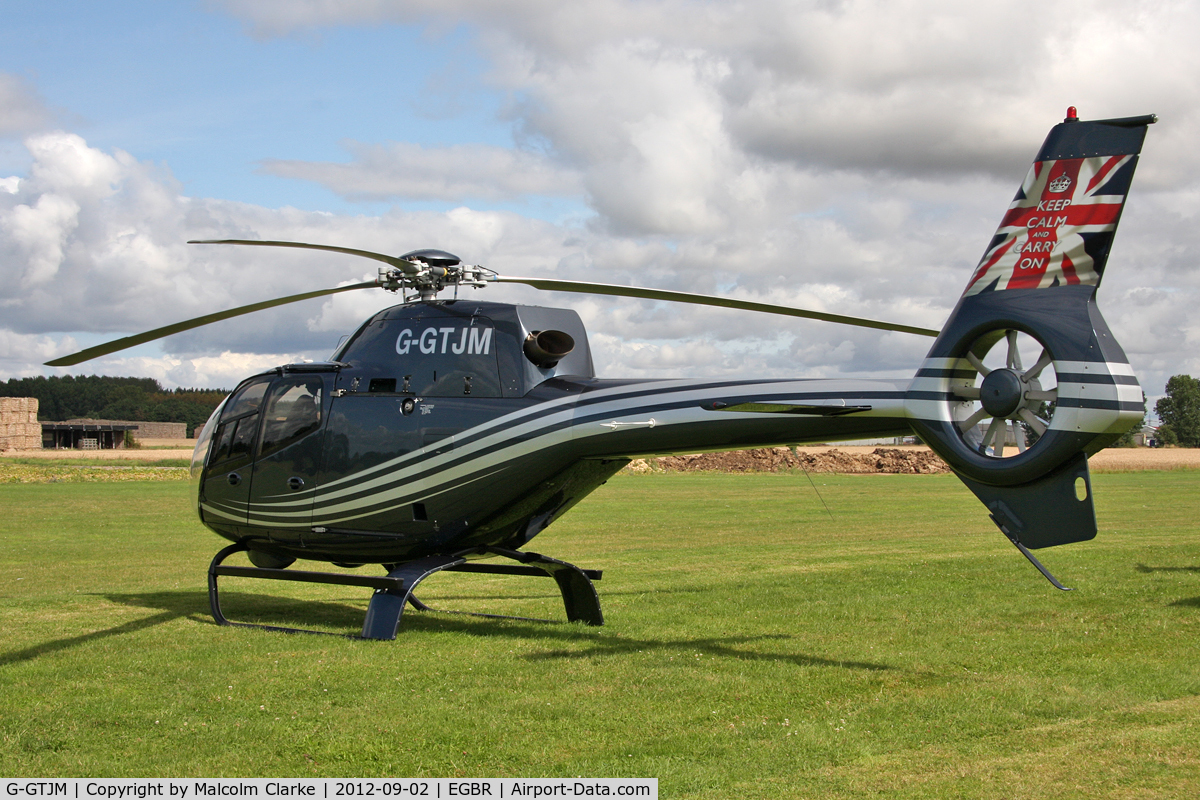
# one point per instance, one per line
(171, 606)
(602, 643)
(299, 613)
(557, 598)
(253, 607)
(723, 647)
(286, 612)
(595, 643)
(334, 617)
(193, 605)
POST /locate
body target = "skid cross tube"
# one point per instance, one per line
(379, 583)
(579, 595)
(395, 590)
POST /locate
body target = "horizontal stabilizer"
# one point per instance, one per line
(804, 409)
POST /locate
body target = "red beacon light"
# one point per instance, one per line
(1072, 114)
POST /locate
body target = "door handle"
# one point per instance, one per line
(233, 478)
(295, 484)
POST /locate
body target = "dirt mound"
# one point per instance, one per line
(774, 459)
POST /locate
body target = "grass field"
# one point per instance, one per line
(755, 646)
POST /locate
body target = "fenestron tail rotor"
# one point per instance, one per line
(430, 271)
(1012, 407)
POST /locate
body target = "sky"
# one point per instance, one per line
(852, 157)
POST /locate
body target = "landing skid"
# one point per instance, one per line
(394, 591)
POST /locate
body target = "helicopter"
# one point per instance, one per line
(446, 433)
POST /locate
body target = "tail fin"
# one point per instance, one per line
(1033, 297)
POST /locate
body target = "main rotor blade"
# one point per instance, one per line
(709, 300)
(407, 267)
(187, 325)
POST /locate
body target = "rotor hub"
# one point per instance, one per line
(434, 258)
(1002, 392)
(429, 272)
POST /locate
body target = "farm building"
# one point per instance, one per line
(141, 428)
(85, 435)
(106, 434)
(1146, 437)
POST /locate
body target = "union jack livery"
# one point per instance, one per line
(445, 433)
(1059, 227)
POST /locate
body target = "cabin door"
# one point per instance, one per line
(288, 457)
(225, 495)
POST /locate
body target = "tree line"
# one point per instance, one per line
(1179, 412)
(101, 397)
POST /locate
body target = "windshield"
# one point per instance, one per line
(203, 440)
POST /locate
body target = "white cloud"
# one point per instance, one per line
(64, 163)
(39, 233)
(30, 350)
(222, 371)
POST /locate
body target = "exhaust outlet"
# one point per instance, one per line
(546, 348)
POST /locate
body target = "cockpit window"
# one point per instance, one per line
(293, 411)
(234, 437)
(248, 400)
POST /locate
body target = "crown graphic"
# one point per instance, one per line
(1060, 184)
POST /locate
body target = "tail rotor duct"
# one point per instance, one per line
(1011, 407)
